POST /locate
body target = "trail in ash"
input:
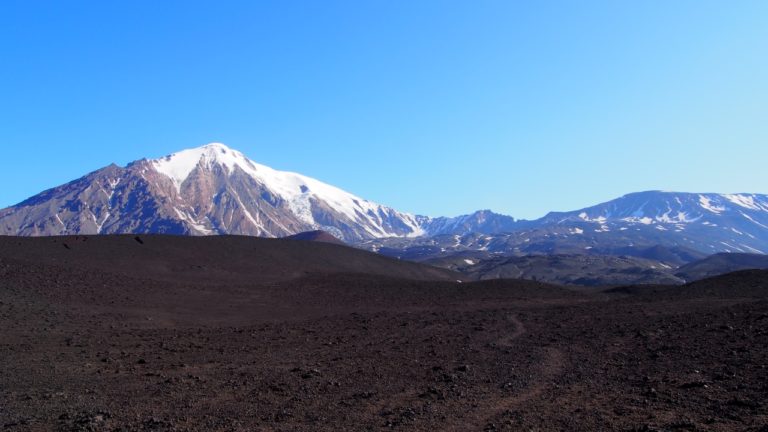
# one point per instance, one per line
(550, 365)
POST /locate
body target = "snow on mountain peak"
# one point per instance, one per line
(295, 189)
(178, 166)
(217, 145)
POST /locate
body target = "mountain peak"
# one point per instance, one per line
(178, 166)
(309, 202)
(216, 145)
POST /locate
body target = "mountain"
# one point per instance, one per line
(684, 226)
(705, 222)
(656, 265)
(315, 236)
(722, 263)
(213, 190)
(207, 190)
(481, 221)
(589, 270)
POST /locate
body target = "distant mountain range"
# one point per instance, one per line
(217, 190)
(703, 223)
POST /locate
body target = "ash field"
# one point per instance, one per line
(132, 333)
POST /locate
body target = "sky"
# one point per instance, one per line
(432, 107)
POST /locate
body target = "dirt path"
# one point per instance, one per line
(516, 333)
(551, 365)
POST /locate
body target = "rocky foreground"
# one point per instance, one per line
(89, 349)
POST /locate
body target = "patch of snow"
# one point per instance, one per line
(746, 201)
(643, 220)
(585, 217)
(706, 203)
(99, 225)
(680, 217)
(192, 222)
(103, 221)
(753, 249)
(301, 206)
(731, 246)
(470, 262)
(753, 221)
(112, 185)
(248, 214)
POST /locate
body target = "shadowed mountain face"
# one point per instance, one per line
(656, 265)
(722, 263)
(316, 236)
(587, 270)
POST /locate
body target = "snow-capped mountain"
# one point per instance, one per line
(481, 221)
(676, 208)
(217, 190)
(706, 223)
(207, 190)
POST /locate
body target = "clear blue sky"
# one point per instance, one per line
(437, 108)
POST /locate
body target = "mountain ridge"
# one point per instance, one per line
(213, 190)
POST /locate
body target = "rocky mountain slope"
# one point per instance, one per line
(207, 190)
(656, 265)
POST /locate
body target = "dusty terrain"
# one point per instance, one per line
(178, 334)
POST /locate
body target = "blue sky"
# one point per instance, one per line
(436, 108)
